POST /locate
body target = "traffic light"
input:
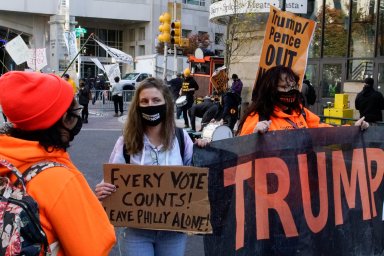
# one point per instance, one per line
(176, 32)
(165, 28)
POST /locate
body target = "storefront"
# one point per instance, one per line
(347, 46)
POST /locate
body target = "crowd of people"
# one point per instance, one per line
(43, 130)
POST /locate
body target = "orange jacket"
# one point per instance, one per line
(69, 211)
(279, 121)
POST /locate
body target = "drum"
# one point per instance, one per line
(215, 131)
(194, 135)
(181, 101)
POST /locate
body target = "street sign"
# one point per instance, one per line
(80, 31)
(178, 51)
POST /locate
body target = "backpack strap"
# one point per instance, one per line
(179, 136)
(37, 168)
(14, 171)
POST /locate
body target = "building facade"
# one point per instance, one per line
(128, 25)
(347, 46)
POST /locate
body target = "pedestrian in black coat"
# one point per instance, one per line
(370, 102)
(84, 96)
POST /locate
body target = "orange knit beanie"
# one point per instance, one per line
(34, 101)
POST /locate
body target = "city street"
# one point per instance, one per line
(92, 148)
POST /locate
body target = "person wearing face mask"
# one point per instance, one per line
(150, 138)
(43, 119)
(277, 105)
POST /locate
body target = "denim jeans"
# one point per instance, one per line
(134, 242)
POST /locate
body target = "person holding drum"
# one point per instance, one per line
(229, 108)
(150, 137)
(276, 105)
(188, 89)
(205, 110)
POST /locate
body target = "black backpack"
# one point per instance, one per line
(179, 136)
(311, 96)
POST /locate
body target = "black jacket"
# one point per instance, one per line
(84, 95)
(229, 105)
(200, 109)
(188, 84)
(370, 103)
(175, 86)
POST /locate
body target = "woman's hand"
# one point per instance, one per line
(104, 190)
(202, 143)
(363, 124)
(262, 127)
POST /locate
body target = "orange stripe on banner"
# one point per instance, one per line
(236, 176)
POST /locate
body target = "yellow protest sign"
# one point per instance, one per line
(286, 42)
(219, 80)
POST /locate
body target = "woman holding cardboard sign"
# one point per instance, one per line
(277, 105)
(150, 137)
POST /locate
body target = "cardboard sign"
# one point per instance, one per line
(18, 50)
(286, 42)
(219, 80)
(37, 58)
(158, 197)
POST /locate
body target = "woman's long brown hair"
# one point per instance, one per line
(134, 128)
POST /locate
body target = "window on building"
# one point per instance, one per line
(185, 33)
(132, 51)
(141, 50)
(110, 37)
(336, 30)
(380, 45)
(219, 38)
(358, 70)
(363, 29)
(141, 34)
(201, 33)
(195, 2)
(315, 13)
(131, 35)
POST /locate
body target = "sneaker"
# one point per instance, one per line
(116, 115)
(85, 121)
(121, 113)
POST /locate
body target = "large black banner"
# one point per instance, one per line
(298, 192)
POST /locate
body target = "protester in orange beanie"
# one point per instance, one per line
(44, 118)
(34, 101)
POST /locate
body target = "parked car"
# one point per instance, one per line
(133, 79)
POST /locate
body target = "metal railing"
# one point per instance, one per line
(102, 100)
